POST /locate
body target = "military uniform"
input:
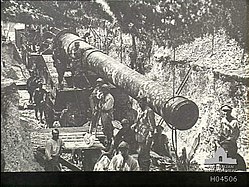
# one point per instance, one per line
(127, 135)
(95, 102)
(144, 154)
(76, 67)
(107, 115)
(144, 132)
(131, 114)
(146, 124)
(60, 62)
(39, 98)
(31, 86)
(229, 132)
(52, 153)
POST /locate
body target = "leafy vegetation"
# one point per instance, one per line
(175, 22)
(166, 22)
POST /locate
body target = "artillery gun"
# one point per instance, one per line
(178, 112)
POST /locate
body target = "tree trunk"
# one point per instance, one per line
(133, 54)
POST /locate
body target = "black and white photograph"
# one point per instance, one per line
(158, 86)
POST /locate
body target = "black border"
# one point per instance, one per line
(39, 179)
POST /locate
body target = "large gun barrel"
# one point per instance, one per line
(178, 111)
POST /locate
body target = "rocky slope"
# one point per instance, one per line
(16, 146)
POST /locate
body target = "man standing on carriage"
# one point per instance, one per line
(95, 99)
(106, 113)
(78, 67)
(60, 62)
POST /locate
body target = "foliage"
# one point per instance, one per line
(59, 13)
(175, 22)
(167, 22)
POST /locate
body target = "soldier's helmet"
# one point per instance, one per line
(105, 87)
(125, 121)
(123, 145)
(226, 108)
(100, 80)
(55, 131)
(31, 72)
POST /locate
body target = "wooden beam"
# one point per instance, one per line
(68, 164)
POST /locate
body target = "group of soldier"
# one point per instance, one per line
(73, 63)
(140, 135)
(37, 95)
(37, 38)
(139, 132)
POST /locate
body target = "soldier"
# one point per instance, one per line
(145, 123)
(123, 161)
(160, 143)
(183, 162)
(229, 131)
(76, 52)
(130, 113)
(144, 153)
(76, 68)
(32, 33)
(140, 62)
(49, 111)
(53, 150)
(60, 62)
(32, 85)
(106, 113)
(96, 95)
(133, 58)
(126, 134)
(39, 99)
(86, 37)
(144, 129)
(63, 119)
(95, 99)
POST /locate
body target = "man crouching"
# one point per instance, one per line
(123, 161)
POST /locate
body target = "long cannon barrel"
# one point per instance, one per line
(178, 111)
